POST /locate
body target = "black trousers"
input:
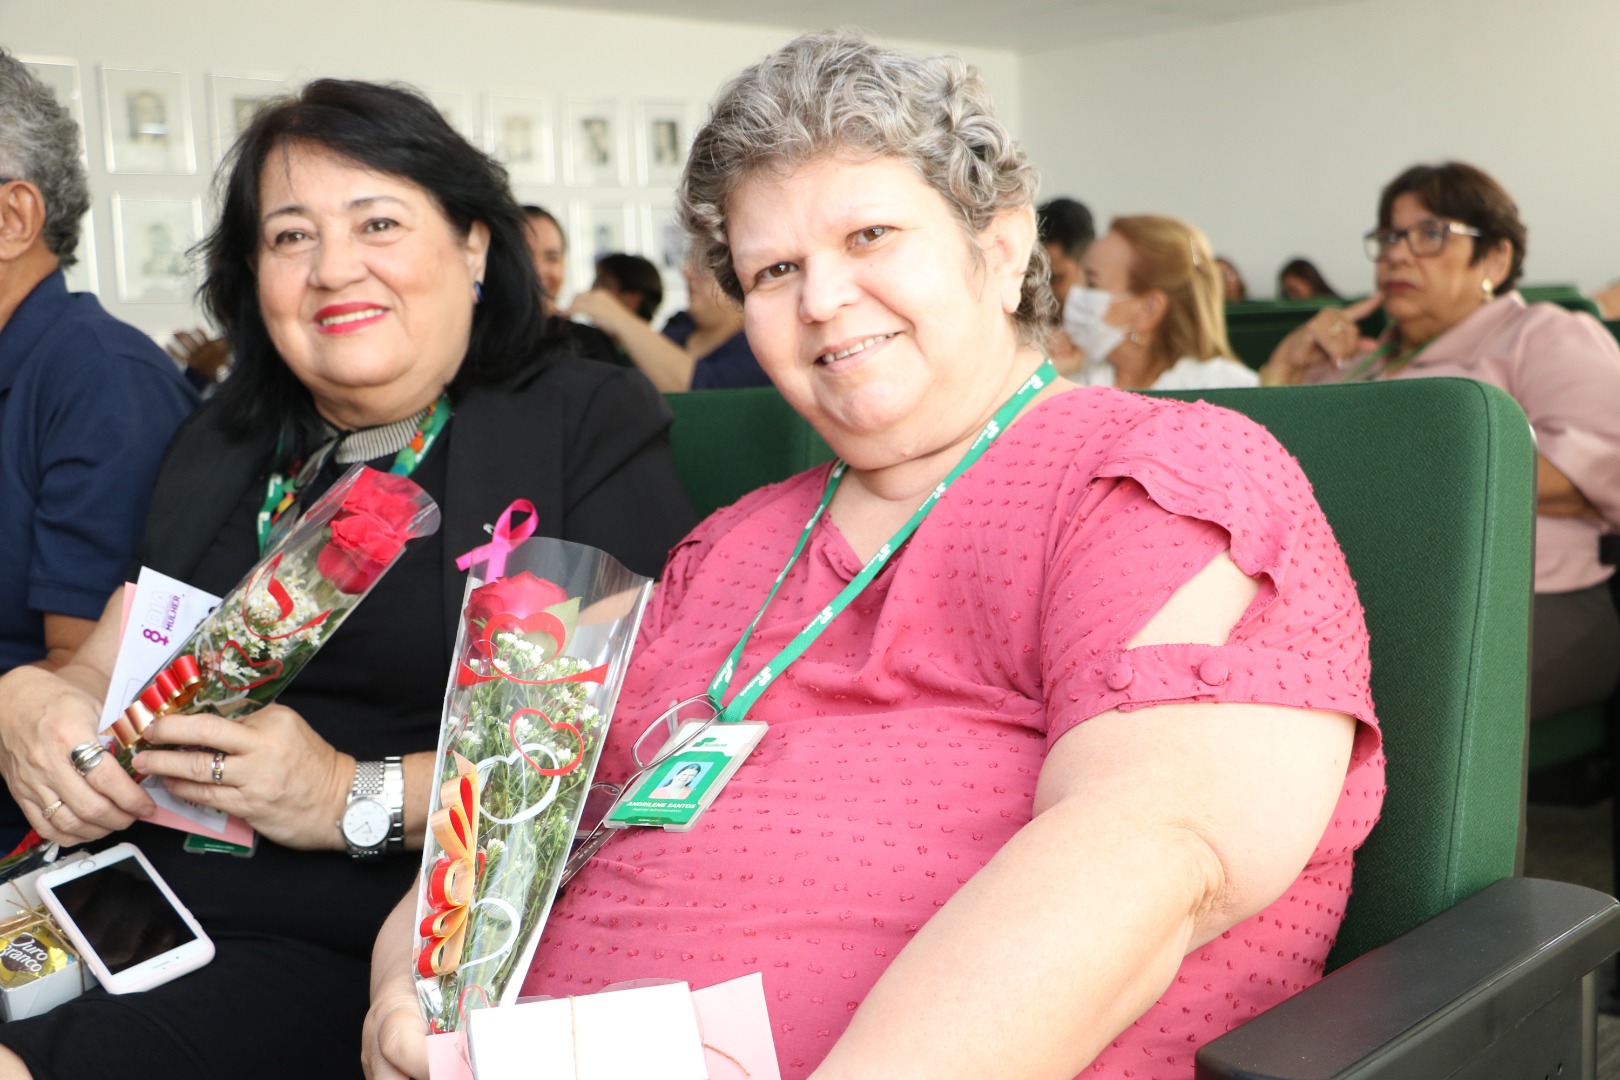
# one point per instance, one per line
(1575, 650)
(264, 1007)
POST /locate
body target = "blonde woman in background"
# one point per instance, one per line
(1149, 315)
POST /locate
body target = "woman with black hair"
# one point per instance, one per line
(370, 272)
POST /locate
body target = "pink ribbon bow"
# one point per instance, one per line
(505, 538)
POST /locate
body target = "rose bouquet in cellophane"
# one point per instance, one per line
(277, 617)
(543, 643)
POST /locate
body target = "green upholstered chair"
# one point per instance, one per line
(1429, 485)
(1254, 328)
(729, 442)
(1565, 296)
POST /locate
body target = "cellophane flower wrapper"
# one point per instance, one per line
(541, 654)
(276, 619)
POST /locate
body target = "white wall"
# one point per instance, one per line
(474, 46)
(1275, 135)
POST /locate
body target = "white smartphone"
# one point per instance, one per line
(124, 920)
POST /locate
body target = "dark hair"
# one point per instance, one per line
(634, 274)
(1067, 224)
(1467, 194)
(1307, 272)
(532, 211)
(392, 130)
(1242, 288)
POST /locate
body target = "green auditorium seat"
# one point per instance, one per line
(1565, 296)
(1447, 965)
(729, 442)
(1255, 327)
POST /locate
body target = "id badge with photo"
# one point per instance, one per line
(675, 792)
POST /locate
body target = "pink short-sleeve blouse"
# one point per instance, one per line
(905, 744)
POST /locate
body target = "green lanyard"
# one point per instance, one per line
(282, 490)
(739, 705)
(1384, 350)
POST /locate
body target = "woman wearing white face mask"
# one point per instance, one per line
(1149, 316)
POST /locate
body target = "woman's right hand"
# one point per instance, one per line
(42, 718)
(1331, 335)
(393, 1042)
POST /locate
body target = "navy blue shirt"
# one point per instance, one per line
(87, 406)
(727, 366)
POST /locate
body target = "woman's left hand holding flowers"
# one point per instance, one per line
(277, 774)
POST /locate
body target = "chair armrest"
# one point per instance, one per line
(1500, 976)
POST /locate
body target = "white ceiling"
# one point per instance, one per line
(1020, 25)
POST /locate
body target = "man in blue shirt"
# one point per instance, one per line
(87, 403)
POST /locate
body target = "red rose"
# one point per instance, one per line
(519, 595)
(361, 548)
(393, 500)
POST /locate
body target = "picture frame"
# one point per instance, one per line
(61, 76)
(597, 228)
(520, 134)
(664, 131)
(664, 242)
(456, 106)
(151, 242)
(236, 100)
(662, 238)
(83, 275)
(595, 147)
(146, 118)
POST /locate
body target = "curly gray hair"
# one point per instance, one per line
(39, 142)
(836, 93)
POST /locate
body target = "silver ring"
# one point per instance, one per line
(219, 766)
(53, 808)
(86, 755)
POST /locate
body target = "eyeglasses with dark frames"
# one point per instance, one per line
(1425, 239)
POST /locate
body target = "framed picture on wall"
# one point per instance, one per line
(663, 133)
(519, 132)
(597, 229)
(82, 276)
(237, 100)
(456, 106)
(664, 242)
(147, 118)
(595, 151)
(150, 240)
(662, 238)
(61, 76)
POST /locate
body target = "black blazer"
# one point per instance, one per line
(587, 443)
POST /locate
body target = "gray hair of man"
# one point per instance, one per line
(834, 93)
(39, 142)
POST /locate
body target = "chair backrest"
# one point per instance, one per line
(1429, 485)
(1255, 328)
(729, 442)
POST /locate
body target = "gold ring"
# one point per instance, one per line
(53, 808)
(219, 766)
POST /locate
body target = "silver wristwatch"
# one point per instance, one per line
(373, 822)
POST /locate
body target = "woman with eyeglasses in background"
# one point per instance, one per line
(1449, 248)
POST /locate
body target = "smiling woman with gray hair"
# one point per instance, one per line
(1022, 808)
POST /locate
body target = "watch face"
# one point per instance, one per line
(365, 823)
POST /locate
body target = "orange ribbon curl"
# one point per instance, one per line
(450, 883)
(169, 691)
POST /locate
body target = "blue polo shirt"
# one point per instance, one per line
(728, 365)
(87, 406)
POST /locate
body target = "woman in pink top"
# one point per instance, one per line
(1449, 248)
(1074, 782)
